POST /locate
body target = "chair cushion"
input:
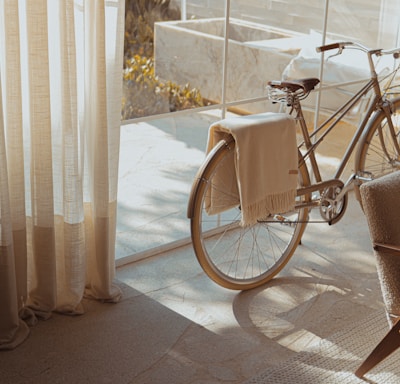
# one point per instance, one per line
(381, 203)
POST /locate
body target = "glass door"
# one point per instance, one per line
(187, 64)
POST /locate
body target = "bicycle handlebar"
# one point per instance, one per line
(395, 52)
(328, 47)
(341, 45)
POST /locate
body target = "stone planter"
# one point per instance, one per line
(192, 52)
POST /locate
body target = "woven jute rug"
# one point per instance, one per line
(334, 360)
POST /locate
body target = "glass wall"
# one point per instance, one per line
(189, 63)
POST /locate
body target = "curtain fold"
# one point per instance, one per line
(60, 83)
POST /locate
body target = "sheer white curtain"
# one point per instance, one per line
(60, 97)
(389, 24)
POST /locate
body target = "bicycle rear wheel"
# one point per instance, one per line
(233, 256)
(378, 152)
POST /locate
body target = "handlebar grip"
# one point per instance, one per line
(328, 47)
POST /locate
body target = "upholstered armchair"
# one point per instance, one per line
(381, 203)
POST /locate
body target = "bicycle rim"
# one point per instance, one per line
(237, 257)
(379, 149)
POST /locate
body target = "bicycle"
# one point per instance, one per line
(242, 258)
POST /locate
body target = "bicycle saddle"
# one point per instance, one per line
(306, 85)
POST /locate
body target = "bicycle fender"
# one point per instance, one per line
(199, 175)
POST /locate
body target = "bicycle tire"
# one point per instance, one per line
(378, 151)
(237, 257)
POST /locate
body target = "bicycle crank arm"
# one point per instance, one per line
(347, 186)
(317, 187)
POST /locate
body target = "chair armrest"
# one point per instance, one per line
(393, 249)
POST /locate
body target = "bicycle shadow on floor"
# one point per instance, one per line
(305, 314)
(296, 311)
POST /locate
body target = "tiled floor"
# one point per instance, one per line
(331, 281)
(230, 336)
(174, 325)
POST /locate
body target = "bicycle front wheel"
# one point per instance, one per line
(237, 257)
(378, 153)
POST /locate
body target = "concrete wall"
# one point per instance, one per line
(359, 19)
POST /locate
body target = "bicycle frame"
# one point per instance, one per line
(330, 123)
(378, 103)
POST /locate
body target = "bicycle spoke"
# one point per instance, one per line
(236, 256)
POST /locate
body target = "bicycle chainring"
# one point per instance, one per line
(331, 209)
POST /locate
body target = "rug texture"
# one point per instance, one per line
(334, 360)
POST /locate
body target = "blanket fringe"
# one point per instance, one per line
(271, 204)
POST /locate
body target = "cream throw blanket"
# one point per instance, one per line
(264, 164)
